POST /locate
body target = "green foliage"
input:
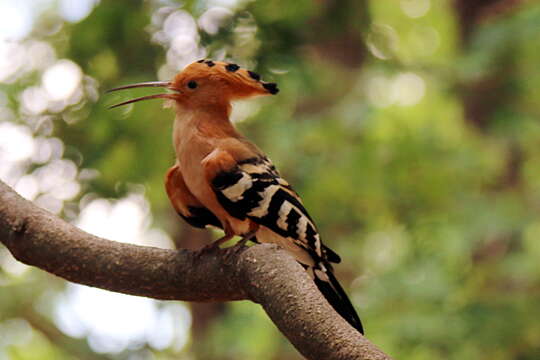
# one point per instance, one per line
(418, 156)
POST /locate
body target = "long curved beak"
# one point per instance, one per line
(165, 84)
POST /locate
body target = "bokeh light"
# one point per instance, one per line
(409, 128)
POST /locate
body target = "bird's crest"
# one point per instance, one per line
(227, 71)
(213, 80)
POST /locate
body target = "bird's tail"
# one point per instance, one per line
(336, 296)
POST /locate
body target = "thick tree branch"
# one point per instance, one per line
(264, 274)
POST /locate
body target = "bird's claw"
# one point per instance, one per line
(213, 246)
(239, 246)
(247, 237)
(207, 249)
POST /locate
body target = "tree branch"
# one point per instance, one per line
(264, 274)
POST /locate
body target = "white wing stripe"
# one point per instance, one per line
(284, 211)
(302, 225)
(267, 195)
(235, 192)
(318, 245)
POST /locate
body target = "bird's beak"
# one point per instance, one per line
(165, 84)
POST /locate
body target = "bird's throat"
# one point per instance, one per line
(207, 123)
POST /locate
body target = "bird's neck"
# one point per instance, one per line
(210, 122)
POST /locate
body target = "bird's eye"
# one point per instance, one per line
(192, 84)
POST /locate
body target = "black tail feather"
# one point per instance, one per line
(336, 296)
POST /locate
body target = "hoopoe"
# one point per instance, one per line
(221, 179)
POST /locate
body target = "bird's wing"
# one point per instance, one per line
(253, 189)
(185, 204)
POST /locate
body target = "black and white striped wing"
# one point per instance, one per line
(255, 190)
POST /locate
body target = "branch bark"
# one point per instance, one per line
(264, 274)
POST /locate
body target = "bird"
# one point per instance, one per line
(221, 179)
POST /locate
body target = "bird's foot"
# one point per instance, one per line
(247, 237)
(234, 251)
(213, 246)
(240, 245)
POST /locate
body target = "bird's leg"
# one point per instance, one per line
(229, 234)
(213, 246)
(216, 244)
(221, 240)
(233, 251)
(250, 235)
(246, 238)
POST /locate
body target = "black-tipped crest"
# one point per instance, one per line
(254, 75)
(271, 87)
(244, 83)
(232, 67)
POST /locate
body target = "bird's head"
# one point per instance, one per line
(207, 83)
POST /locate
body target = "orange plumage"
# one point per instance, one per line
(221, 179)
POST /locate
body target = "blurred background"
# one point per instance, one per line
(409, 127)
